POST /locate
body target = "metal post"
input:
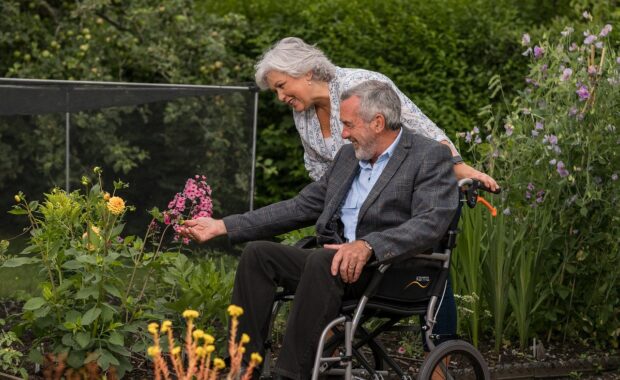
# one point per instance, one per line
(67, 146)
(254, 133)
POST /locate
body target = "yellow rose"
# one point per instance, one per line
(190, 314)
(116, 205)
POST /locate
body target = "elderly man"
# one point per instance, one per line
(387, 195)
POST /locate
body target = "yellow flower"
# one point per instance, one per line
(200, 352)
(165, 326)
(235, 311)
(97, 170)
(210, 348)
(245, 338)
(209, 339)
(190, 314)
(242, 350)
(175, 351)
(219, 363)
(256, 358)
(116, 205)
(153, 327)
(198, 334)
(106, 196)
(18, 198)
(153, 351)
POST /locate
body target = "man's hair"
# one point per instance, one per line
(294, 57)
(376, 97)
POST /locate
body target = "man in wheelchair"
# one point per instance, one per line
(388, 195)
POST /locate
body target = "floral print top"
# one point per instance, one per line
(318, 154)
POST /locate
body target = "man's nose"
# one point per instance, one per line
(345, 134)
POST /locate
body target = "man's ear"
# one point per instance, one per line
(379, 123)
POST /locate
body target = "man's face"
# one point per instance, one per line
(356, 130)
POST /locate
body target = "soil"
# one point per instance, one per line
(567, 360)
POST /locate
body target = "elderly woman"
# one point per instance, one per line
(303, 77)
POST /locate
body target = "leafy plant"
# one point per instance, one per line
(10, 358)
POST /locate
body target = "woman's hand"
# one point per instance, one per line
(463, 170)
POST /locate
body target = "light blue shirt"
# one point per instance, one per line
(361, 186)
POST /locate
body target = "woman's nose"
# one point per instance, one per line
(280, 95)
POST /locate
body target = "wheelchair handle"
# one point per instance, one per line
(469, 189)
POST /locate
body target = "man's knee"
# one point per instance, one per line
(254, 251)
(320, 259)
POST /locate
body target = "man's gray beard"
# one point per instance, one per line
(364, 153)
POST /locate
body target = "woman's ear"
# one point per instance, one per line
(308, 76)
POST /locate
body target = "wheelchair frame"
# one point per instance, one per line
(352, 322)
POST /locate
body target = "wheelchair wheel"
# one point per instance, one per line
(454, 359)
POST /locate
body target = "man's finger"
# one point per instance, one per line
(336, 263)
(333, 246)
(190, 222)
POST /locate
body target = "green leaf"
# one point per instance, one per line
(119, 350)
(88, 259)
(35, 356)
(15, 262)
(90, 316)
(106, 359)
(82, 338)
(113, 290)
(18, 211)
(34, 303)
(76, 359)
(116, 338)
(87, 292)
(72, 265)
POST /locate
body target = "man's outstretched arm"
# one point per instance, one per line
(203, 229)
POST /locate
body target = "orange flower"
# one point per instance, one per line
(116, 205)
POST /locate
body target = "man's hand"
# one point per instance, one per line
(203, 229)
(349, 260)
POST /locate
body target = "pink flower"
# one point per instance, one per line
(605, 31)
(538, 51)
(589, 39)
(592, 70)
(583, 93)
(566, 74)
(401, 350)
(561, 169)
(525, 39)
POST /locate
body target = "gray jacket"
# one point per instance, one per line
(407, 211)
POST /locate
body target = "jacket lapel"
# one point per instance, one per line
(345, 177)
(401, 151)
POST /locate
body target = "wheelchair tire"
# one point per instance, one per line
(454, 359)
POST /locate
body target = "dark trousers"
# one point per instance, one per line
(318, 296)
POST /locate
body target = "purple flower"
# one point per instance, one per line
(544, 68)
(509, 129)
(561, 169)
(614, 177)
(477, 140)
(599, 45)
(572, 111)
(528, 195)
(525, 39)
(573, 47)
(530, 186)
(468, 137)
(552, 161)
(589, 39)
(553, 139)
(539, 126)
(538, 51)
(566, 74)
(475, 130)
(605, 31)
(583, 93)
(618, 60)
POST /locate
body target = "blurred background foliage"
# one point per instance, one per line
(442, 54)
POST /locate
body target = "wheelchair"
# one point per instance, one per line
(412, 287)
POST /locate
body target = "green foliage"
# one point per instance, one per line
(204, 285)
(10, 358)
(89, 307)
(554, 149)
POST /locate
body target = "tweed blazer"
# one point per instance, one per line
(407, 211)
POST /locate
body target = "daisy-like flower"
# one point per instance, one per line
(190, 314)
(235, 311)
(153, 328)
(219, 363)
(165, 326)
(116, 205)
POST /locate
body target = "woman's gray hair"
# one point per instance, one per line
(294, 57)
(376, 97)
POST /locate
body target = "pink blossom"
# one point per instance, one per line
(561, 169)
(592, 70)
(605, 31)
(573, 47)
(525, 39)
(538, 51)
(566, 74)
(401, 350)
(589, 39)
(583, 93)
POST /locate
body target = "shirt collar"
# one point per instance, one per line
(386, 154)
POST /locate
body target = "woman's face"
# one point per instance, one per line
(290, 90)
